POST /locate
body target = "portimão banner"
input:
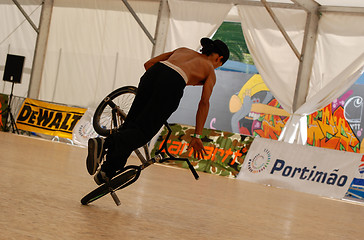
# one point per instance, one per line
(314, 170)
(48, 118)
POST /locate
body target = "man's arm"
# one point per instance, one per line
(162, 57)
(201, 115)
(202, 111)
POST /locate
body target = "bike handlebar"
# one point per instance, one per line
(171, 157)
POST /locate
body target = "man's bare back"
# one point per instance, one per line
(196, 66)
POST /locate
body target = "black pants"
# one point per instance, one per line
(159, 93)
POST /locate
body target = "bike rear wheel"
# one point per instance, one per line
(129, 176)
(106, 118)
(112, 111)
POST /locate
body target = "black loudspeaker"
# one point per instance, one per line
(13, 68)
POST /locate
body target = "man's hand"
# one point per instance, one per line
(198, 149)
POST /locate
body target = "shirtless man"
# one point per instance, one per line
(159, 93)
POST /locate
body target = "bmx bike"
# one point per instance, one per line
(108, 117)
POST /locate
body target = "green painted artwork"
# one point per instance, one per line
(225, 151)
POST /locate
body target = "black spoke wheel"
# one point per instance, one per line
(106, 119)
(129, 176)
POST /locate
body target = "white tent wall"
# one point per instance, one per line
(93, 48)
(190, 21)
(17, 37)
(340, 43)
(273, 57)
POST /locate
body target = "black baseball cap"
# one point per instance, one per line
(218, 47)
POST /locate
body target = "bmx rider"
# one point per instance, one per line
(159, 92)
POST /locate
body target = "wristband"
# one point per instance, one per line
(196, 135)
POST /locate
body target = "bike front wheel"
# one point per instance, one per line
(130, 175)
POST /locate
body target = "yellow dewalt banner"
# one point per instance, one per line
(47, 118)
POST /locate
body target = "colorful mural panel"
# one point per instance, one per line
(225, 151)
(339, 125)
(328, 128)
(256, 112)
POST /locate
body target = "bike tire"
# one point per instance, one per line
(122, 97)
(117, 183)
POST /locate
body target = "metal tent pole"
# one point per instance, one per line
(40, 49)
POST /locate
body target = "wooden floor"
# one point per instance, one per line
(42, 182)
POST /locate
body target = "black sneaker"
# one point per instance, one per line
(95, 154)
(100, 177)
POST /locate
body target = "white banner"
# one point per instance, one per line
(84, 130)
(314, 170)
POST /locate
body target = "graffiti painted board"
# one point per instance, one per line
(225, 151)
(340, 124)
(240, 103)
